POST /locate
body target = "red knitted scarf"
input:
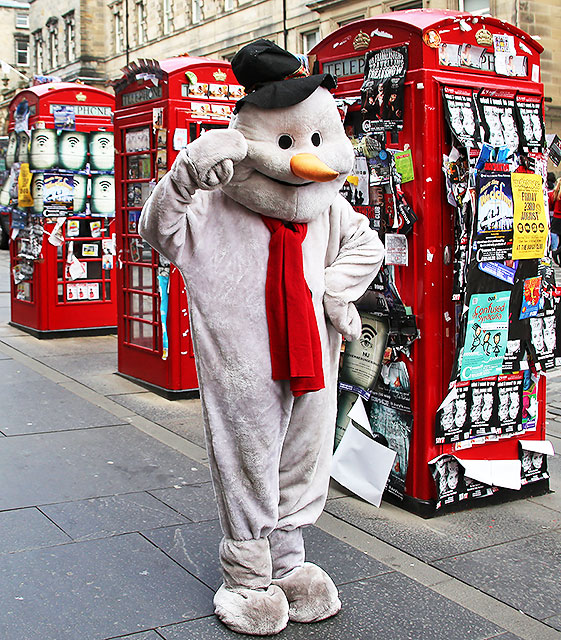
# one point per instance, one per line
(293, 333)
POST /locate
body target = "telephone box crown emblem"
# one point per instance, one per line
(484, 37)
(81, 97)
(219, 76)
(361, 41)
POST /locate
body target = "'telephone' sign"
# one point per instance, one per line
(84, 110)
(345, 68)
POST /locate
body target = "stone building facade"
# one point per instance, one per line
(14, 52)
(92, 40)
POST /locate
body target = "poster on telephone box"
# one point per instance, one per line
(452, 423)
(483, 409)
(486, 335)
(529, 110)
(534, 465)
(383, 88)
(509, 391)
(392, 418)
(495, 216)
(461, 115)
(497, 113)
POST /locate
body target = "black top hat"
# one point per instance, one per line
(273, 77)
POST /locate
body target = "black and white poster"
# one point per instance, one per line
(509, 394)
(461, 115)
(452, 418)
(497, 114)
(483, 408)
(529, 111)
(452, 485)
(383, 88)
(533, 462)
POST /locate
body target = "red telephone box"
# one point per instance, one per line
(426, 284)
(160, 107)
(64, 133)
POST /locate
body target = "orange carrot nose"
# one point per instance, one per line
(310, 167)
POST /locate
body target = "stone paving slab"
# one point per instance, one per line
(96, 589)
(22, 529)
(323, 549)
(447, 535)
(97, 371)
(112, 515)
(523, 573)
(389, 606)
(194, 547)
(55, 467)
(85, 345)
(38, 405)
(554, 621)
(197, 502)
(183, 417)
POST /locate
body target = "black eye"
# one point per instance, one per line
(285, 141)
(316, 139)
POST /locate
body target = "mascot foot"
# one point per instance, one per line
(310, 592)
(256, 612)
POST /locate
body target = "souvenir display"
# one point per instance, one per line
(52, 201)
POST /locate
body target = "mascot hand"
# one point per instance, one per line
(208, 162)
(343, 316)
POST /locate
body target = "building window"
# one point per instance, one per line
(52, 27)
(349, 20)
(22, 21)
(309, 40)
(477, 7)
(118, 28)
(22, 52)
(196, 11)
(228, 5)
(69, 36)
(141, 26)
(167, 16)
(403, 6)
(38, 48)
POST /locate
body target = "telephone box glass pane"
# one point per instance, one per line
(140, 278)
(141, 306)
(141, 333)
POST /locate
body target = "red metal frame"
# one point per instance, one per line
(426, 284)
(48, 312)
(139, 299)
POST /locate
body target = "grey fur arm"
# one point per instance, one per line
(360, 257)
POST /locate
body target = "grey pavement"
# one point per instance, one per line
(108, 527)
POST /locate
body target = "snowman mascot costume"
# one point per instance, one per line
(272, 257)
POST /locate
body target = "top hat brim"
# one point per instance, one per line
(286, 93)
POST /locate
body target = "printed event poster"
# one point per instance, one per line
(382, 89)
(530, 120)
(497, 113)
(486, 335)
(452, 423)
(391, 417)
(58, 194)
(495, 212)
(530, 222)
(461, 114)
